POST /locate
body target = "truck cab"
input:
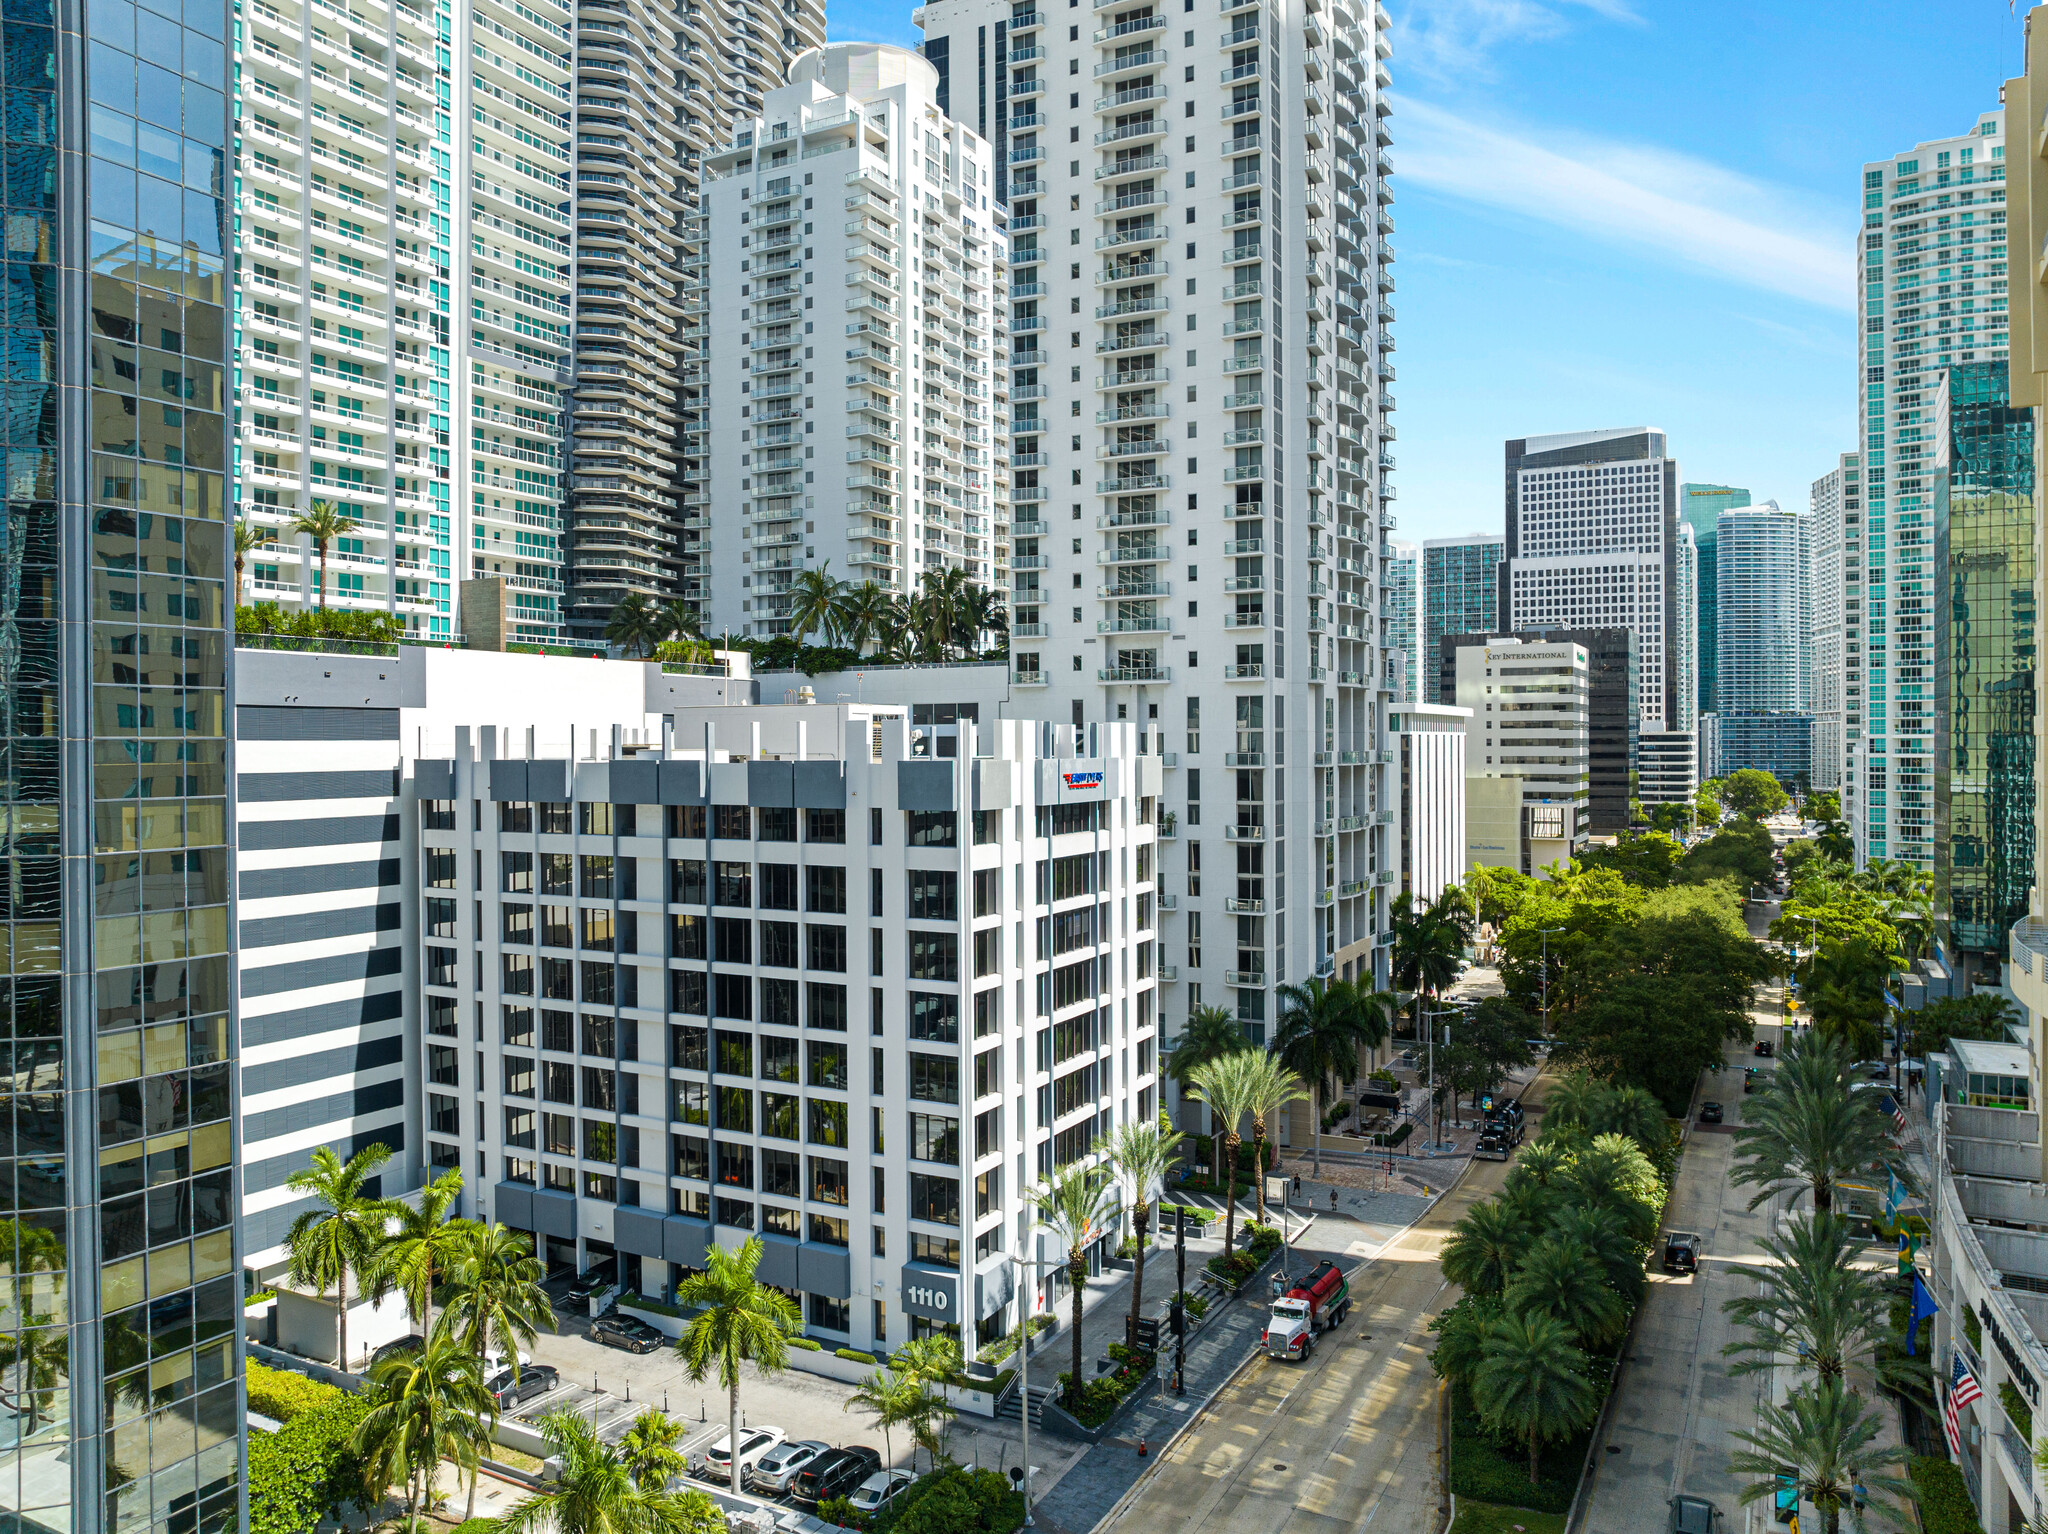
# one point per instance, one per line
(1316, 1304)
(1290, 1329)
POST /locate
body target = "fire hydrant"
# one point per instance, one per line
(1141, 1446)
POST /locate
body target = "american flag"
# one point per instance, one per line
(1962, 1391)
(1898, 1113)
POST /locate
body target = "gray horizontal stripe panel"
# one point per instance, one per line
(322, 1065)
(335, 969)
(261, 1176)
(334, 831)
(311, 926)
(317, 878)
(297, 1118)
(311, 1022)
(282, 787)
(267, 721)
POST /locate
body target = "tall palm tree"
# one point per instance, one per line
(814, 602)
(1559, 1278)
(1635, 1112)
(429, 1404)
(942, 594)
(595, 1492)
(1577, 1098)
(1323, 1026)
(934, 1362)
(1225, 1084)
(1271, 1086)
(1142, 1153)
(339, 1239)
(1812, 1302)
(1531, 1381)
(248, 539)
(1428, 944)
(1809, 1128)
(1608, 1243)
(1824, 1435)
(1480, 1254)
(636, 624)
(741, 1320)
(1075, 1205)
(1844, 984)
(893, 1398)
(495, 1300)
(649, 1450)
(863, 615)
(1209, 1033)
(419, 1246)
(323, 523)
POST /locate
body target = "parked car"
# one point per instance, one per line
(1710, 1113)
(1693, 1515)
(754, 1443)
(588, 1286)
(1681, 1251)
(773, 1472)
(833, 1475)
(393, 1349)
(628, 1332)
(533, 1380)
(874, 1493)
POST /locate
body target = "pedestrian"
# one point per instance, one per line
(1333, 1198)
(1297, 1185)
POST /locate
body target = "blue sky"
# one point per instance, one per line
(1624, 212)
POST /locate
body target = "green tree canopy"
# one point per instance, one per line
(1985, 1015)
(1754, 793)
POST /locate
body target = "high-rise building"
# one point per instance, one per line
(1203, 208)
(404, 373)
(1932, 286)
(1700, 508)
(1402, 631)
(1685, 631)
(1836, 513)
(1592, 542)
(1986, 644)
(854, 176)
(1460, 580)
(657, 89)
(1529, 708)
(1760, 584)
(123, 1331)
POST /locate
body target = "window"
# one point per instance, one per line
(686, 880)
(731, 822)
(988, 951)
(692, 1156)
(519, 1027)
(934, 1078)
(988, 1072)
(827, 1064)
(931, 828)
(597, 928)
(736, 1212)
(519, 1129)
(934, 955)
(778, 887)
(828, 1314)
(875, 892)
(735, 1164)
(515, 974)
(934, 1018)
(874, 828)
(733, 884)
(686, 937)
(517, 922)
(987, 891)
(934, 894)
(988, 1012)
(938, 1251)
(688, 1047)
(780, 1117)
(827, 1123)
(518, 1076)
(734, 997)
(775, 825)
(689, 1103)
(778, 1058)
(988, 1133)
(988, 1192)
(600, 1141)
(600, 1089)
(515, 817)
(933, 1138)
(831, 1230)
(437, 814)
(596, 881)
(782, 1173)
(826, 948)
(553, 819)
(439, 919)
(825, 826)
(555, 930)
(558, 1134)
(558, 1082)
(988, 827)
(735, 1053)
(828, 1181)
(594, 819)
(600, 1037)
(1074, 876)
(734, 940)
(441, 1066)
(686, 820)
(515, 871)
(825, 891)
(599, 983)
(555, 871)
(782, 1222)
(936, 1199)
(735, 1109)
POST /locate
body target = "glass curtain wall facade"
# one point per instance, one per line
(117, 1261)
(1700, 508)
(1984, 638)
(1460, 587)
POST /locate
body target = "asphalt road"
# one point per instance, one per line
(1343, 1442)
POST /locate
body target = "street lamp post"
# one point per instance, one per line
(1432, 1014)
(1544, 933)
(1024, 1367)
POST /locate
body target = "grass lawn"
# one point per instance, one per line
(1485, 1518)
(513, 1457)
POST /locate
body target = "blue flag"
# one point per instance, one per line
(1889, 999)
(1923, 1307)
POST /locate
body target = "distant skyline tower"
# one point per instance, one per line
(1835, 506)
(1761, 629)
(1404, 574)
(1700, 508)
(1933, 290)
(1460, 586)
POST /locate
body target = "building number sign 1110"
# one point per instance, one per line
(937, 1299)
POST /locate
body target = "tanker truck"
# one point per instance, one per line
(1316, 1304)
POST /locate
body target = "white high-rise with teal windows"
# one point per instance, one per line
(1404, 619)
(1932, 286)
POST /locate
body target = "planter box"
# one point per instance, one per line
(669, 1326)
(1057, 1419)
(830, 1365)
(979, 1403)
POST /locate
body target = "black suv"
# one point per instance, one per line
(534, 1380)
(833, 1475)
(628, 1332)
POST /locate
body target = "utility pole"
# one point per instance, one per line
(1180, 1309)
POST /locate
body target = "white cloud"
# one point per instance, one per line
(1685, 209)
(1456, 39)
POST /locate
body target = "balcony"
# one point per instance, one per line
(1134, 626)
(1244, 833)
(1240, 906)
(1255, 977)
(1130, 165)
(1254, 672)
(1129, 674)
(1131, 63)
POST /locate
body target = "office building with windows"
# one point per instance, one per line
(789, 972)
(1402, 631)
(1529, 710)
(1835, 551)
(1202, 338)
(123, 1334)
(1592, 542)
(1932, 285)
(1460, 588)
(1700, 508)
(1986, 641)
(855, 265)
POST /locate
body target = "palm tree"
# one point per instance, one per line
(1225, 1084)
(323, 523)
(325, 1245)
(1559, 1278)
(934, 1362)
(1612, 1173)
(1481, 1252)
(1531, 1381)
(1809, 1128)
(595, 1492)
(863, 614)
(741, 1320)
(248, 539)
(1608, 1242)
(1635, 1112)
(1210, 1033)
(893, 1398)
(1428, 944)
(636, 624)
(943, 590)
(495, 1300)
(1142, 1153)
(430, 1405)
(419, 1247)
(1813, 1301)
(814, 602)
(1844, 984)
(649, 1450)
(1577, 1098)
(1323, 1026)
(1271, 1086)
(1827, 1439)
(1075, 1205)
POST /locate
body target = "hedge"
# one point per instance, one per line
(856, 1356)
(476, 1526)
(304, 1471)
(1491, 1472)
(283, 1395)
(806, 1344)
(1945, 1506)
(2016, 1407)
(657, 1307)
(954, 1500)
(1396, 1137)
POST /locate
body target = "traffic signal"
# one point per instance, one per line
(1176, 1320)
